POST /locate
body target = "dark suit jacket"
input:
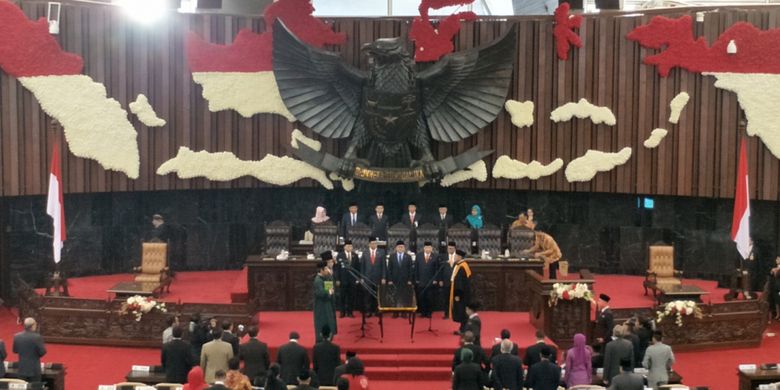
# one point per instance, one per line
(544, 375)
(3, 355)
(325, 358)
(231, 339)
(398, 273)
(346, 220)
(407, 221)
(256, 359)
(627, 381)
(615, 351)
(177, 360)
(497, 350)
(293, 359)
(507, 372)
(379, 226)
(443, 225)
(634, 339)
(479, 357)
(424, 272)
(468, 376)
(29, 346)
(375, 271)
(533, 354)
(474, 324)
(605, 324)
(342, 272)
(218, 387)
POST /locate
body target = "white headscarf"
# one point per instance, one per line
(320, 215)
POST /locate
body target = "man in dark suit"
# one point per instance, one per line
(443, 221)
(256, 359)
(219, 381)
(325, 358)
(479, 353)
(533, 352)
(229, 337)
(347, 263)
(474, 323)
(292, 359)
(426, 278)
(342, 368)
(448, 263)
(605, 322)
(350, 218)
(177, 358)
(372, 265)
(398, 270)
(544, 375)
(379, 222)
(627, 380)
(505, 335)
(3, 355)
(507, 370)
(614, 353)
(412, 220)
(28, 344)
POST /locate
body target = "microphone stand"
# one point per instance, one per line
(431, 282)
(368, 286)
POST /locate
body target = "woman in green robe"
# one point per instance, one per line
(324, 311)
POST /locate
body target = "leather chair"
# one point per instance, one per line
(395, 233)
(277, 237)
(489, 240)
(427, 232)
(520, 241)
(358, 234)
(461, 234)
(325, 236)
(154, 264)
(660, 268)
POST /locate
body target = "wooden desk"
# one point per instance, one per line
(123, 290)
(674, 379)
(53, 374)
(154, 376)
(681, 293)
(751, 380)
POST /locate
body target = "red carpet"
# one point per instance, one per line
(422, 364)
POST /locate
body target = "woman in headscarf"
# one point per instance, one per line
(195, 380)
(320, 215)
(474, 219)
(578, 363)
(467, 375)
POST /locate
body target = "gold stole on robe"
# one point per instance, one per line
(455, 270)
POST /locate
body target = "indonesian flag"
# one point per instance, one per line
(740, 225)
(54, 205)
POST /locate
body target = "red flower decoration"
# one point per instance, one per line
(566, 295)
(563, 31)
(432, 43)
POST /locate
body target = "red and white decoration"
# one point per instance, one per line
(740, 225)
(55, 206)
(433, 42)
(565, 37)
(569, 292)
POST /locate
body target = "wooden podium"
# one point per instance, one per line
(563, 320)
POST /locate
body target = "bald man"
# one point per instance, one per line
(28, 344)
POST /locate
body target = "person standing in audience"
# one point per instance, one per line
(474, 323)
(467, 375)
(167, 334)
(634, 339)
(274, 381)
(507, 372)
(235, 380)
(477, 352)
(505, 335)
(615, 352)
(658, 361)
(219, 381)
(379, 222)
(356, 375)
(446, 273)
(292, 359)
(256, 359)
(324, 312)
(425, 277)
(533, 354)
(627, 380)
(350, 219)
(398, 268)
(460, 291)
(195, 380)
(372, 266)
(546, 249)
(199, 334)
(412, 220)
(579, 369)
(347, 262)
(443, 221)
(28, 345)
(544, 375)
(215, 355)
(3, 356)
(229, 337)
(325, 358)
(177, 358)
(605, 322)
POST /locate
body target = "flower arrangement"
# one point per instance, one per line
(570, 292)
(679, 309)
(138, 306)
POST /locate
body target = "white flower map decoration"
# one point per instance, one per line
(583, 109)
(759, 96)
(679, 309)
(145, 113)
(225, 166)
(248, 93)
(96, 127)
(522, 113)
(508, 168)
(655, 138)
(476, 171)
(676, 106)
(298, 136)
(569, 292)
(137, 306)
(584, 168)
(346, 184)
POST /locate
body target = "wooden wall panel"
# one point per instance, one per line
(697, 158)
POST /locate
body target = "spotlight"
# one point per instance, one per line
(143, 11)
(53, 16)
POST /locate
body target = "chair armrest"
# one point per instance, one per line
(651, 276)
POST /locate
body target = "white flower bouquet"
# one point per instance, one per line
(570, 292)
(138, 306)
(679, 309)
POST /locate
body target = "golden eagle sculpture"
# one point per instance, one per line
(392, 112)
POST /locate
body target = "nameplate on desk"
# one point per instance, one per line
(141, 368)
(106, 387)
(747, 367)
(17, 386)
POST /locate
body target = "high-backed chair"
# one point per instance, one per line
(277, 237)
(154, 264)
(358, 234)
(490, 239)
(660, 268)
(427, 232)
(397, 232)
(520, 241)
(461, 234)
(325, 235)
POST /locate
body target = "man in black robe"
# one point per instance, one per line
(448, 264)
(460, 291)
(426, 278)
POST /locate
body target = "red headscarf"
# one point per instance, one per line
(195, 380)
